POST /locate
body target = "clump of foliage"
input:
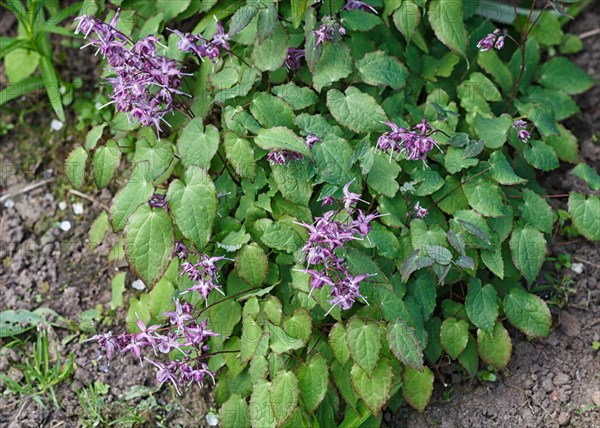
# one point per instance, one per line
(328, 199)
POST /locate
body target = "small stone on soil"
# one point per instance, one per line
(564, 418)
(596, 397)
(577, 268)
(561, 379)
(138, 284)
(569, 324)
(65, 226)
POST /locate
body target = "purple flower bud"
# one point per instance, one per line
(524, 135)
(328, 200)
(492, 40)
(293, 59)
(519, 124)
(359, 5)
(310, 140)
(420, 211)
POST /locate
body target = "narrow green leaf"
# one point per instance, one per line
(53, 85)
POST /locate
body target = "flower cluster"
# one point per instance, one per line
(522, 133)
(144, 83)
(359, 5)
(292, 60)
(203, 48)
(329, 29)
(184, 334)
(416, 143)
(492, 40)
(327, 238)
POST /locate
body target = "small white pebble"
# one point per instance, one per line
(56, 125)
(577, 268)
(77, 208)
(62, 205)
(138, 284)
(212, 419)
(65, 226)
(9, 203)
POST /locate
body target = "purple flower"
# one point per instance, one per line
(281, 157)
(492, 40)
(350, 198)
(420, 211)
(416, 143)
(328, 200)
(310, 140)
(293, 58)
(181, 250)
(519, 123)
(523, 134)
(328, 30)
(359, 5)
(327, 238)
(144, 83)
(106, 341)
(203, 48)
(158, 201)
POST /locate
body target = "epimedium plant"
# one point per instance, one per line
(327, 200)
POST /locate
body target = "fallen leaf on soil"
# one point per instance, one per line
(596, 397)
